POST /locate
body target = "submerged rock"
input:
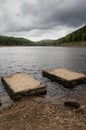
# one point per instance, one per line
(0, 103)
(72, 104)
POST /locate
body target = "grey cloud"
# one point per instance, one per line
(27, 15)
(54, 13)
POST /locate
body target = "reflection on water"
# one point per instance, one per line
(33, 60)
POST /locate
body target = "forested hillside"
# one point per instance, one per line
(13, 41)
(74, 37)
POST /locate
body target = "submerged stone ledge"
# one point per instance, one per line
(22, 84)
(65, 77)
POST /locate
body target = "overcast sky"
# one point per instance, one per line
(41, 19)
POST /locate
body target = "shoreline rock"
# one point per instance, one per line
(72, 104)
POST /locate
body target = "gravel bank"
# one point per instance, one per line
(28, 114)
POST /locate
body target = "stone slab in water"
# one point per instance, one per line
(65, 77)
(21, 84)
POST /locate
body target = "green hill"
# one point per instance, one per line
(75, 38)
(13, 41)
(44, 42)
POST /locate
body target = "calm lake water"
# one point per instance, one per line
(33, 60)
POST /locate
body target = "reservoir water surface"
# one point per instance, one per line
(33, 60)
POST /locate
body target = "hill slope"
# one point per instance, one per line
(13, 41)
(77, 37)
(45, 43)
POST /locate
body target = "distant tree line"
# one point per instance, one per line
(12, 41)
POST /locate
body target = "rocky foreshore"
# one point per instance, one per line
(28, 114)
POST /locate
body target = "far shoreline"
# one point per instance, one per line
(74, 46)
